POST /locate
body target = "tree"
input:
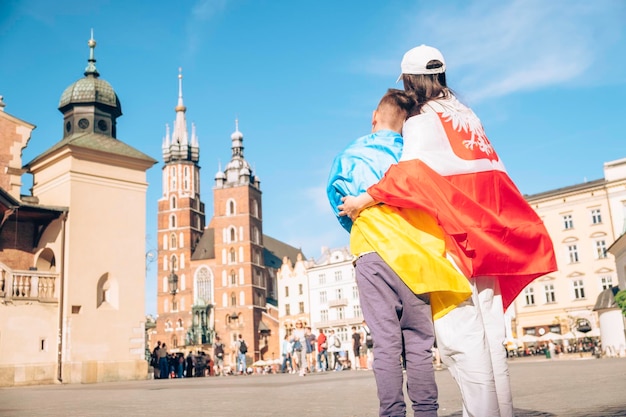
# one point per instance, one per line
(620, 300)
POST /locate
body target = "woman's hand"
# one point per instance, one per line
(352, 205)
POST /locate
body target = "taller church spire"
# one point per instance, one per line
(178, 147)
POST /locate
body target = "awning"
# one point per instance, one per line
(263, 327)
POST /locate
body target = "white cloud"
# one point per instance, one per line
(495, 48)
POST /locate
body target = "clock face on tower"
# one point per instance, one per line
(83, 123)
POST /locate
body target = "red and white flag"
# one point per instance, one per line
(449, 169)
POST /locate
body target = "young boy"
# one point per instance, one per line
(398, 304)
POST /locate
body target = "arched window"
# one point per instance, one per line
(173, 177)
(174, 263)
(233, 299)
(233, 235)
(204, 286)
(173, 202)
(233, 256)
(255, 208)
(173, 220)
(173, 241)
(233, 278)
(231, 208)
(107, 292)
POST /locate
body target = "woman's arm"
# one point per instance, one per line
(351, 206)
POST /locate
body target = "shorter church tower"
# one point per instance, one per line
(241, 276)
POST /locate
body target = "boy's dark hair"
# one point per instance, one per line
(400, 99)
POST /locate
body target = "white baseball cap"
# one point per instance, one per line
(416, 59)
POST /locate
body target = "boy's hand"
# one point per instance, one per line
(352, 205)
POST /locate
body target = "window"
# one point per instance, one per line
(324, 315)
(356, 311)
(596, 217)
(233, 256)
(606, 282)
(338, 294)
(322, 279)
(341, 313)
(579, 289)
(529, 295)
(287, 310)
(173, 202)
(323, 297)
(355, 293)
(233, 299)
(231, 208)
(568, 222)
(173, 241)
(286, 291)
(301, 307)
(233, 235)
(204, 285)
(572, 251)
(337, 275)
(300, 289)
(549, 291)
(601, 249)
(233, 278)
(172, 221)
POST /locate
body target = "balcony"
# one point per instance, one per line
(338, 302)
(29, 286)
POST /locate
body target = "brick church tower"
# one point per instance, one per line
(241, 283)
(181, 222)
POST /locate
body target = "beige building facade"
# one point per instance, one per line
(81, 266)
(583, 221)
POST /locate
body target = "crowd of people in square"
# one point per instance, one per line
(304, 352)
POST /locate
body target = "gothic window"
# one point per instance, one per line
(173, 241)
(233, 278)
(255, 208)
(231, 208)
(172, 221)
(204, 286)
(173, 177)
(233, 256)
(186, 179)
(233, 235)
(174, 263)
(256, 238)
(233, 299)
(173, 202)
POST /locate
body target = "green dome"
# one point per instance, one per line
(90, 90)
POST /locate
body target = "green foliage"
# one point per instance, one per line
(620, 299)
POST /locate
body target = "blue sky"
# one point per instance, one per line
(547, 79)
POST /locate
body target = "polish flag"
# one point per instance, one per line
(449, 169)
